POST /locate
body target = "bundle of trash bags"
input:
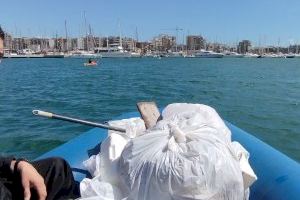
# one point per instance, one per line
(187, 155)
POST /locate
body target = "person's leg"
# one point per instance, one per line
(58, 178)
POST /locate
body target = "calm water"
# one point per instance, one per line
(261, 96)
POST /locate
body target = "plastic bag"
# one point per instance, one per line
(188, 155)
(104, 166)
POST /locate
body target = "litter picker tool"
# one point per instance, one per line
(74, 120)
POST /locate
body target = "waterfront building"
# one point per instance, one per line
(179, 48)
(80, 43)
(163, 43)
(67, 44)
(74, 44)
(59, 44)
(216, 47)
(89, 43)
(294, 49)
(98, 41)
(64, 44)
(113, 41)
(18, 44)
(8, 43)
(144, 47)
(1, 42)
(271, 49)
(244, 46)
(34, 44)
(195, 42)
(51, 43)
(129, 44)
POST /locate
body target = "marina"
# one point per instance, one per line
(120, 53)
(150, 100)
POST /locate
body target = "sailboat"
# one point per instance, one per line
(87, 53)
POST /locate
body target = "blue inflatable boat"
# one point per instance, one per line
(278, 175)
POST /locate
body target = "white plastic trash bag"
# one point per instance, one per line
(104, 166)
(188, 155)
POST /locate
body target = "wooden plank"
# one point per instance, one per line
(149, 113)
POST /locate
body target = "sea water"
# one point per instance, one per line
(261, 96)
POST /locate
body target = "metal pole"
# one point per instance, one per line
(79, 121)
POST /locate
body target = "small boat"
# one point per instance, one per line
(90, 64)
(278, 175)
(290, 55)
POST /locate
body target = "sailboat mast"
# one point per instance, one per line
(67, 47)
(107, 42)
(136, 38)
(56, 41)
(91, 37)
(86, 34)
(120, 40)
(136, 34)
(278, 45)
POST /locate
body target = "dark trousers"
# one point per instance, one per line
(58, 178)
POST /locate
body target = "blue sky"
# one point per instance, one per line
(262, 21)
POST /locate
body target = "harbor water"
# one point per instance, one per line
(261, 96)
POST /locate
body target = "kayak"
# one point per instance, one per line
(278, 175)
(90, 64)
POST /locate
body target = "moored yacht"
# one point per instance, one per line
(113, 52)
(290, 55)
(251, 55)
(231, 54)
(208, 54)
(84, 54)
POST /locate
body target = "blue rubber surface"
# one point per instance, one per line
(278, 175)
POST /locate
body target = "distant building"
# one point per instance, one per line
(74, 44)
(18, 44)
(98, 41)
(216, 47)
(244, 46)
(128, 44)
(195, 42)
(8, 43)
(113, 41)
(51, 44)
(80, 43)
(163, 42)
(143, 46)
(1, 42)
(294, 49)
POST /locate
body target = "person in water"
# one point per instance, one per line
(49, 179)
(92, 61)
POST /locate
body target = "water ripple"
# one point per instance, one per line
(259, 95)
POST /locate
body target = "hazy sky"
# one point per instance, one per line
(262, 21)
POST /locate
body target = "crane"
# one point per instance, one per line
(176, 29)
